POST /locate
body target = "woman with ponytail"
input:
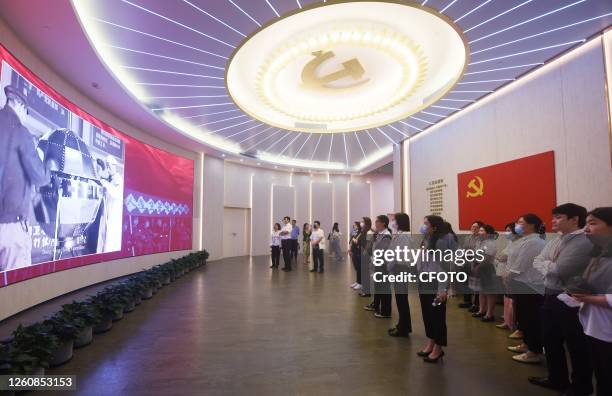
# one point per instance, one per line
(527, 285)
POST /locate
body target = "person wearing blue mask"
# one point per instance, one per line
(438, 237)
(501, 262)
(471, 299)
(527, 285)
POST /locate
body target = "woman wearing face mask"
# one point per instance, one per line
(334, 239)
(485, 272)
(470, 297)
(433, 294)
(596, 311)
(355, 253)
(306, 232)
(366, 238)
(501, 270)
(527, 286)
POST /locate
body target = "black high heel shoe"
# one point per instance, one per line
(423, 353)
(427, 359)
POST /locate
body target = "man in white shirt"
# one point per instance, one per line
(318, 247)
(286, 243)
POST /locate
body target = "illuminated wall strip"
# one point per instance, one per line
(162, 56)
(178, 23)
(475, 91)
(486, 81)
(498, 15)
(183, 97)
(308, 136)
(245, 13)
(527, 21)
(542, 33)
(290, 143)
(387, 136)
(398, 130)
(244, 130)
(226, 119)
(410, 125)
(155, 37)
(473, 10)
(529, 51)
(445, 107)
(278, 141)
(331, 144)
(448, 6)
(263, 140)
(257, 134)
(422, 120)
(180, 85)
(345, 150)
(360, 146)
(193, 107)
(169, 72)
(272, 7)
(214, 18)
(376, 143)
(505, 68)
(433, 114)
(211, 114)
(228, 127)
(459, 100)
(316, 146)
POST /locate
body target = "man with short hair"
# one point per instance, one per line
(318, 247)
(295, 233)
(562, 259)
(286, 243)
(21, 169)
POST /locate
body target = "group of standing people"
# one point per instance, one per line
(386, 234)
(557, 293)
(285, 239)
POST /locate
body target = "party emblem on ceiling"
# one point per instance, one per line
(346, 66)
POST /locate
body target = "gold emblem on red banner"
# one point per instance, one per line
(475, 187)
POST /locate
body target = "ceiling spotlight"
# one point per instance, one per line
(241, 160)
(259, 164)
(223, 155)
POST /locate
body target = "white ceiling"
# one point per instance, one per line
(170, 45)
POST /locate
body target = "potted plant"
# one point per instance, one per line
(107, 311)
(82, 315)
(32, 349)
(66, 330)
(112, 302)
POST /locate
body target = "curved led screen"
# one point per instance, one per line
(75, 191)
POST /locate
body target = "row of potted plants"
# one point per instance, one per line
(51, 342)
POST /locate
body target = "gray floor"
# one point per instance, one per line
(236, 327)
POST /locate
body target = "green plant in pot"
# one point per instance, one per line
(85, 317)
(67, 330)
(126, 295)
(32, 349)
(106, 311)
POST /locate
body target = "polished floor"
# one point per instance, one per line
(236, 327)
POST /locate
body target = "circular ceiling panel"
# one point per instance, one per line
(346, 66)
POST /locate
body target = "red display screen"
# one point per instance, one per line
(75, 191)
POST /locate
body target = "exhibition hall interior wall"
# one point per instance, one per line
(18, 296)
(561, 107)
(242, 202)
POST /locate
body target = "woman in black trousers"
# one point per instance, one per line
(355, 253)
(401, 239)
(433, 294)
(275, 245)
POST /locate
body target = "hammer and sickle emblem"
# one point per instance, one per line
(351, 68)
(476, 190)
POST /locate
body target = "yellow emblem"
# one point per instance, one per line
(475, 188)
(350, 68)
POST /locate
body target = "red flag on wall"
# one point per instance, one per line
(499, 194)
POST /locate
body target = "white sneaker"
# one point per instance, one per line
(357, 287)
(526, 358)
(353, 284)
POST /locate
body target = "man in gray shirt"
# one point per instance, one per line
(564, 258)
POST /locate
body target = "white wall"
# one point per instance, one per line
(383, 196)
(19, 296)
(561, 107)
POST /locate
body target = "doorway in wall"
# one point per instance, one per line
(236, 232)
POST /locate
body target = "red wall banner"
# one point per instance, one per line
(500, 193)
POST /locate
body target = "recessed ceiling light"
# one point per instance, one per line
(259, 164)
(223, 155)
(241, 160)
(314, 64)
